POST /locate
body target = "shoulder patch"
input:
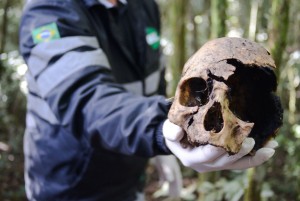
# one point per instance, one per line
(45, 33)
(152, 37)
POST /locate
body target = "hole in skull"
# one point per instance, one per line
(194, 92)
(213, 120)
(191, 121)
(249, 87)
(251, 98)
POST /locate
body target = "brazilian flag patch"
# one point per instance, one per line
(45, 33)
(152, 38)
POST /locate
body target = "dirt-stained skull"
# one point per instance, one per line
(226, 93)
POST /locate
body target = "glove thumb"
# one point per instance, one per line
(171, 131)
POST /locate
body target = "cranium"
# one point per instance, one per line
(227, 93)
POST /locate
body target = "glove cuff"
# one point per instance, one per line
(160, 141)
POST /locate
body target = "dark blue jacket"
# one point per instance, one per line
(91, 125)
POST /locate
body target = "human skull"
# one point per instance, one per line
(225, 94)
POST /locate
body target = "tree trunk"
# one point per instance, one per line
(252, 192)
(3, 32)
(195, 42)
(279, 30)
(177, 20)
(4, 25)
(212, 177)
(218, 18)
(253, 20)
(291, 76)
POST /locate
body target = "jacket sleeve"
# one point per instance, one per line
(71, 84)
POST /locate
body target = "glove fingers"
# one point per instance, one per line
(191, 157)
(226, 159)
(271, 144)
(261, 156)
(206, 153)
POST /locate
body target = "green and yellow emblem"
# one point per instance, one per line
(45, 33)
(152, 38)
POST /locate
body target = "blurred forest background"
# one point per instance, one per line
(186, 25)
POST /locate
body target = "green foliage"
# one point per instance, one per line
(12, 112)
(223, 189)
(10, 12)
(285, 168)
(232, 186)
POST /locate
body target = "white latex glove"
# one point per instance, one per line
(209, 158)
(169, 174)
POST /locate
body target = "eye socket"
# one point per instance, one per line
(194, 92)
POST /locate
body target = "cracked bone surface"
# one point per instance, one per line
(227, 93)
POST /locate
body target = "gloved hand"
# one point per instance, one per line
(209, 158)
(170, 176)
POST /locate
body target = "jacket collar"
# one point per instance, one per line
(105, 3)
(108, 5)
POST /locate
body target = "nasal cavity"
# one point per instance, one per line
(213, 120)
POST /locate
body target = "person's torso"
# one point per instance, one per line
(65, 166)
(130, 36)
